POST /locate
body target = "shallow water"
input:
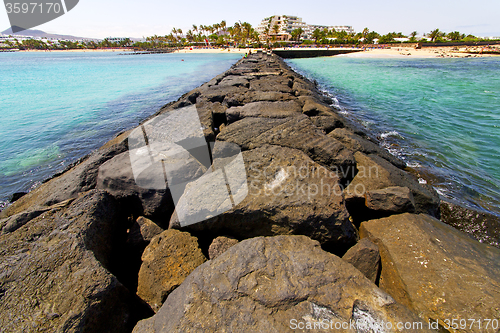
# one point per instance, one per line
(58, 107)
(440, 115)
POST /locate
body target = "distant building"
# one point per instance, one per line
(281, 26)
(117, 39)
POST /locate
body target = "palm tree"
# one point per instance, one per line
(296, 33)
(434, 34)
(317, 34)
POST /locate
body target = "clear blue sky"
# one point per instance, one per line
(126, 18)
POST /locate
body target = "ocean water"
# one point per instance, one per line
(442, 116)
(58, 107)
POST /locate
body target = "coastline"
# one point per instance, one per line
(391, 52)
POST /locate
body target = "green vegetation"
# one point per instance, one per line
(242, 34)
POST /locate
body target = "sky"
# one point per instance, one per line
(127, 18)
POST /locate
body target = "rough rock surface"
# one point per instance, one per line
(169, 258)
(142, 231)
(439, 272)
(294, 132)
(116, 177)
(392, 199)
(54, 275)
(364, 256)
(281, 109)
(288, 193)
(220, 245)
(482, 226)
(356, 143)
(262, 284)
(375, 173)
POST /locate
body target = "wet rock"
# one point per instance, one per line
(365, 257)
(220, 245)
(263, 284)
(356, 143)
(263, 109)
(375, 173)
(392, 200)
(286, 193)
(55, 272)
(169, 258)
(439, 272)
(237, 81)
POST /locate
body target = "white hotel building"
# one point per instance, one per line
(287, 23)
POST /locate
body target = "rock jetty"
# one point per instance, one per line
(332, 232)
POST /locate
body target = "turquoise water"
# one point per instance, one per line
(441, 115)
(58, 107)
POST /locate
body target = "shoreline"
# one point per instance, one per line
(391, 52)
(94, 228)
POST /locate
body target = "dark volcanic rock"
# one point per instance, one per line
(237, 81)
(328, 123)
(356, 143)
(167, 261)
(272, 83)
(263, 284)
(365, 256)
(437, 271)
(296, 132)
(482, 226)
(375, 173)
(142, 232)
(251, 96)
(287, 193)
(54, 272)
(116, 177)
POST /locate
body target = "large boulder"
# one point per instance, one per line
(251, 96)
(220, 245)
(286, 193)
(439, 272)
(376, 173)
(55, 272)
(272, 83)
(294, 132)
(281, 109)
(356, 143)
(168, 259)
(277, 284)
(116, 177)
(142, 232)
